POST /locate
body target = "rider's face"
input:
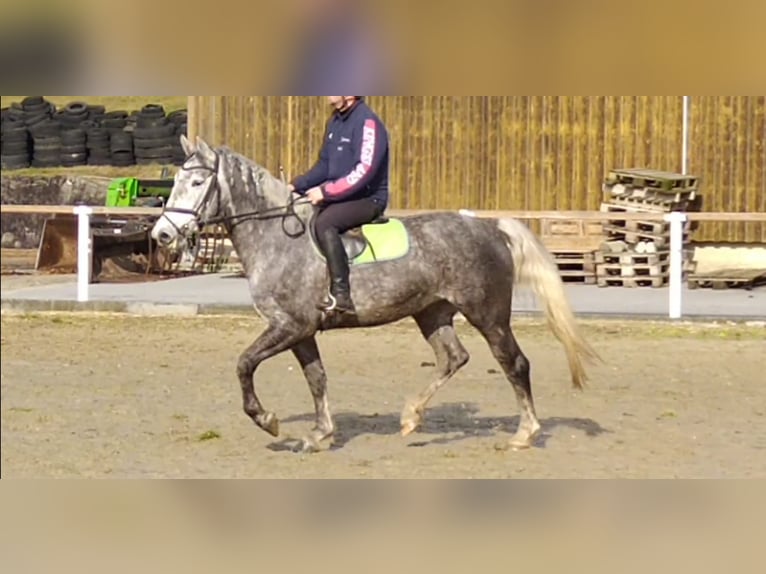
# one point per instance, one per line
(340, 103)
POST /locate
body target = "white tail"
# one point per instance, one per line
(535, 268)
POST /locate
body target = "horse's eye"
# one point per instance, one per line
(197, 182)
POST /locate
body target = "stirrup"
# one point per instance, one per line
(329, 305)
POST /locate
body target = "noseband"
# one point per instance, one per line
(231, 221)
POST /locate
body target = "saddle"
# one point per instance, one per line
(354, 240)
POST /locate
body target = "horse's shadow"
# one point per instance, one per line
(447, 424)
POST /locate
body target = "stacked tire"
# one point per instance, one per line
(17, 121)
(46, 144)
(15, 145)
(97, 143)
(121, 149)
(179, 119)
(74, 150)
(34, 133)
(153, 136)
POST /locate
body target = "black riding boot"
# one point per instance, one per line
(339, 300)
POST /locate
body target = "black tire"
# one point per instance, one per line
(121, 142)
(73, 159)
(178, 117)
(31, 101)
(140, 143)
(100, 151)
(97, 132)
(97, 144)
(45, 129)
(47, 144)
(34, 119)
(47, 155)
(151, 153)
(15, 114)
(96, 110)
(14, 148)
(152, 111)
(70, 149)
(19, 161)
(69, 123)
(154, 132)
(147, 123)
(73, 137)
(12, 133)
(76, 109)
(100, 157)
(113, 124)
(123, 155)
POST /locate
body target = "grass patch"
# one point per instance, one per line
(208, 436)
(112, 103)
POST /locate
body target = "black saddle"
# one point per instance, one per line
(353, 240)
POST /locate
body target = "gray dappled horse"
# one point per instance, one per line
(429, 267)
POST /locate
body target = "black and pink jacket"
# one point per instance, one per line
(354, 161)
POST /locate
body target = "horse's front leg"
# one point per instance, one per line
(275, 340)
(308, 356)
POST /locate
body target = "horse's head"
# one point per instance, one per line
(195, 198)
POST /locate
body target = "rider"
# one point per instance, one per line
(350, 184)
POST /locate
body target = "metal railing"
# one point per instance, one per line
(676, 220)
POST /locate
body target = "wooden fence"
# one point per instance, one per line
(521, 152)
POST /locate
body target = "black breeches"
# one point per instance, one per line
(341, 217)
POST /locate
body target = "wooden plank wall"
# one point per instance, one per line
(520, 152)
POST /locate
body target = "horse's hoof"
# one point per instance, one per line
(408, 428)
(523, 440)
(270, 424)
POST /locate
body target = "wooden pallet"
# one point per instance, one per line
(630, 258)
(576, 266)
(660, 240)
(661, 181)
(570, 228)
(659, 270)
(666, 205)
(651, 227)
(632, 282)
(747, 279)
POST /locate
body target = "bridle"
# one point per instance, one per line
(214, 193)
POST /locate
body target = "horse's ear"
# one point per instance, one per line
(204, 148)
(187, 145)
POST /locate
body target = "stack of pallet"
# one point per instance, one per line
(637, 253)
(573, 244)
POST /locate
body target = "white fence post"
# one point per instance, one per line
(686, 135)
(677, 222)
(84, 249)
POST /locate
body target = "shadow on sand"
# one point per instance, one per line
(446, 424)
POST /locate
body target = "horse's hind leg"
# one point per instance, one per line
(516, 366)
(308, 356)
(436, 325)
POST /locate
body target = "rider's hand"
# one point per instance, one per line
(315, 195)
(291, 188)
